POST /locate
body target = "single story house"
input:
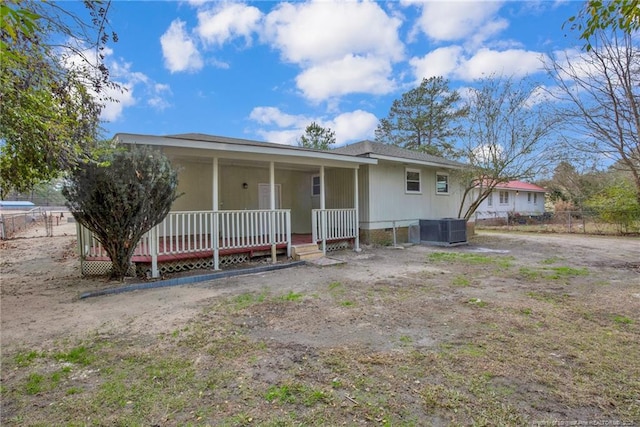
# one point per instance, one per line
(242, 198)
(512, 199)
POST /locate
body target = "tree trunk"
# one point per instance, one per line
(120, 260)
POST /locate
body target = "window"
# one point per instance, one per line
(490, 200)
(442, 183)
(535, 198)
(529, 197)
(315, 185)
(504, 197)
(412, 180)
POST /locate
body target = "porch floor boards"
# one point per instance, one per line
(296, 239)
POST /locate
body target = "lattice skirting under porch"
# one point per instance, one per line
(102, 268)
(338, 246)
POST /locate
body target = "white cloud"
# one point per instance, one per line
(320, 31)
(179, 50)
(443, 61)
(459, 20)
(511, 62)
(350, 126)
(451, 62)
(157, 97)
(273, 115)
(113, 99)
(342, 47)
(351, 74)
(226, 21)
(117, 101)
(354, 126)
(284, 137)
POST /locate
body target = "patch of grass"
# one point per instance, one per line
(564, 271)
(35, 383)
(471, 258)
(24, 359)
(73, 390)
(335, 286)
(478, 302)
(529, 273)
(77, 355)
(296, 393)
(291, 296)
(622, 320)
(526, 311)
(551, 260)
(405, 339)
(461, 281)
(248, 299)
(551, 273)
(347, 303)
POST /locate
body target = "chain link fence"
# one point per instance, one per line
(12, 223)
(584, 221)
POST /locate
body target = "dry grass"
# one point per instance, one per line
(549, 344)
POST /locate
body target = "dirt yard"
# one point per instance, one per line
(414, 307)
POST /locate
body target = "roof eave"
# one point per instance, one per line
(166, 141)
(415, 161)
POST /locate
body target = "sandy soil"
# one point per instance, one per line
(41, 284)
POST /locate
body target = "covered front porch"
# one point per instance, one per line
(242, 199)
(208, 239)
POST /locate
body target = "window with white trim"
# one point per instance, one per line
(504, 197)
(412, 181)
(315, 185)
(442, 183)
(490, 200)
(529, 197)
(535, 198)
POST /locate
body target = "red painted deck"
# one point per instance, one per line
(296, 239)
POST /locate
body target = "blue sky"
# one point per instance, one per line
(264, 70)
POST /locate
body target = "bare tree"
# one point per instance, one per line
(599, 98)
(506, 133)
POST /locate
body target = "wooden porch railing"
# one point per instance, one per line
(333, 224)
(204, 231)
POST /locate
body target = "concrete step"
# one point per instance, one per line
(306, 252)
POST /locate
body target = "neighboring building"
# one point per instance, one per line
(512, 199)
(266, 198)
(16, 205)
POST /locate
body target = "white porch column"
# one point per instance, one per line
(215, 232)
(323, 212)
(153, 248)
(215, 195)
(357, 208)
(272, 204)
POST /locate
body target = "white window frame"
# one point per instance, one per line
(529, 197)
(535, 198)
(446, 175)
(490, 200)
(504, 197)
(407, 181)
(315, 189)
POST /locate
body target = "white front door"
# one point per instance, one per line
(264, 196)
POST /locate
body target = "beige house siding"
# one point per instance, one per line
(196, 186)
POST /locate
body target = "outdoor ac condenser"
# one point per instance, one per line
(445, 231)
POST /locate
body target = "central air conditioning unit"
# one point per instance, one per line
(445, 231)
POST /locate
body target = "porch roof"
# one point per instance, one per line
(244, 148)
